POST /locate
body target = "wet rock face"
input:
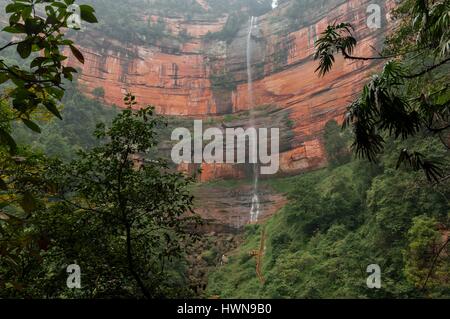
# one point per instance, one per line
(201, 77)
(230, 206)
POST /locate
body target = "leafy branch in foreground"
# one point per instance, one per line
(38, 28)
(129, 195)
(122, 215)
(410, 96)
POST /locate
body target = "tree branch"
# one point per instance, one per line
(7, 45)
(429, 69)
(351, 57)
(122, 207)
(433, 265)
(131, 264)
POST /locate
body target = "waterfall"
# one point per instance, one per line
(253, 21)
(255, 209)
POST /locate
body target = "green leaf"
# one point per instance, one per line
(53, 109)
(51, 19)
(87, 14)
(17, 28)
(24, 49)
(57, 93)
(3, 77)
(33, 26)
(87, 8)
(59, 5)
(31, 125)
(14, 7)
(3, 185)
(77, 53)
(7, 139)
(38, 62)
(66, 42)
(28, 203)
(26, 12)
(14, 18)
(70, 69)
(17, 81)
(10, 8)
(4, 204)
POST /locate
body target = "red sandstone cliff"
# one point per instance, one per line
(176, 77)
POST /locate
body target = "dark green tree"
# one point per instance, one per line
(125, 218)
(38, 27)
(410, 96)
(336, 144)
(36, 31)
(144, 210)
(98, 92)
(427, 259)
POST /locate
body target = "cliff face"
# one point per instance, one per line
(201, 77)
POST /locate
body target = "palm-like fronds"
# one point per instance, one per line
(432, 22)
(336, 38)
(384, 106)
(440, 27)
(368, 143)
(379, 109)
(417, 162)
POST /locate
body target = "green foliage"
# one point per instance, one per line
(230, 29)
(280, 57)
(39, 84)
(98, 92)
(156, 30)
(340, 220)
(121, 219)
(210, 256)
(301, 11)
(254, 8)
(336, 144)
(423, 266)
(224, 81)
(184, 35)
(124, 20)
(64, 138)
(229, 118)
(406, 99)
(336, 38)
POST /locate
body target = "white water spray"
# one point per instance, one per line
(255, 209)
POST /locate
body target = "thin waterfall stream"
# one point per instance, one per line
(255, 208)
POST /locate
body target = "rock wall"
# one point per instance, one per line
(202, 78)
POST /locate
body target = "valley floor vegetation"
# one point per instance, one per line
(342, 219)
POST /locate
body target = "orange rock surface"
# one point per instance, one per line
(177, 79)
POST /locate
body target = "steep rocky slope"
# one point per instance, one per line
(191, 73)
(195, 67)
